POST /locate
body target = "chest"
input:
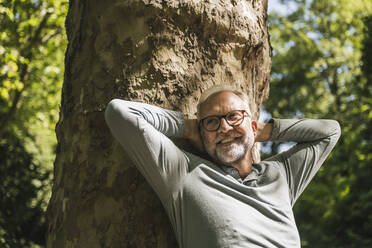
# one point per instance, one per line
(221, 208)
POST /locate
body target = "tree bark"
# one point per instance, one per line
(160, 52)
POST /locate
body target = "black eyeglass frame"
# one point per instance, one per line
(227, 121)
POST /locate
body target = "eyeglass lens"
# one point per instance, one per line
(212, 123)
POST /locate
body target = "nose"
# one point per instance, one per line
(224, 127)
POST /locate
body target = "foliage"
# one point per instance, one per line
(322, 69)
(32, 44)
(22, 214)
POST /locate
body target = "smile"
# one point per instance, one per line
(228, 140)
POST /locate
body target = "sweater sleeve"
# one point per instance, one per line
(143, 132)
(315, 139)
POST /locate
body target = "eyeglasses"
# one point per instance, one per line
(213, 123)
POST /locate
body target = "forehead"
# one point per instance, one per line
(221, 103)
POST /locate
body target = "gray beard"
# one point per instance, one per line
(233, 155)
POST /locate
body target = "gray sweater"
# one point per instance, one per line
(208, 205)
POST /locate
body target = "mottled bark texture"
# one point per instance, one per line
(157, 51)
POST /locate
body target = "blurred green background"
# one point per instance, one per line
(32, 46)
(322, 68)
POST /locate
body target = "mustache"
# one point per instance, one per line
(227, 135)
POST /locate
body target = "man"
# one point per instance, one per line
(226, 200)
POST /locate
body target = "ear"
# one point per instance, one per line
(254, 126)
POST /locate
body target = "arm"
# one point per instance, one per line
(142, 130)
(315, 140)
(192, 134)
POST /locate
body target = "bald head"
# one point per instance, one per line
(220, 101)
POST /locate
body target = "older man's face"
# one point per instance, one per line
(228, 144)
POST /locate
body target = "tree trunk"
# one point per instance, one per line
(160, 52)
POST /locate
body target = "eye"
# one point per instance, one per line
(234, 116)
(211, 122)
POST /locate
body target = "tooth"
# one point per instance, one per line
(227, 140)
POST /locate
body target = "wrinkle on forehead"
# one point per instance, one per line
(221, 103)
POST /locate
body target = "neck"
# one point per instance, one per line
(244, 170)
(244, 165)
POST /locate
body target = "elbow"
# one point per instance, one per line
(333, 130)
(113, 105)
(113, 110)
(336, 128)
(110, 110)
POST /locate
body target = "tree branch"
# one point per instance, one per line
(35, 39)
(48, 36)
(27, 53)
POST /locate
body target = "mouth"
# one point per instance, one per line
(227, 140)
